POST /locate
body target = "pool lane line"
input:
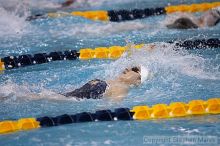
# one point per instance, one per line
(112, 52)
(143, 112)
(125, 15)
(12, 62)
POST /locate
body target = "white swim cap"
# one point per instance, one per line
(145, 74)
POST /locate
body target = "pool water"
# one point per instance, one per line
(32, 91)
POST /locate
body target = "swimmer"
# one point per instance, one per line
(208, 19)
(115, 89)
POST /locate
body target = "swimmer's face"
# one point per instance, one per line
(131, 76)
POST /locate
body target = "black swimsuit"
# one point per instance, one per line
(93, 89)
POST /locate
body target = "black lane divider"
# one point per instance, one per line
(12, 62)
(198, 43)
(102, 115)
(123, 15)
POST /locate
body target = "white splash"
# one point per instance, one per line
(165, 57)
(12, 18)
(13, 91)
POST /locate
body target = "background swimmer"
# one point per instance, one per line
(115, 89)
(67, 3)
(188, 21)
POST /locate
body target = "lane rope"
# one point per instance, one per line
(112, 52)
(124, 15)
(144, 112)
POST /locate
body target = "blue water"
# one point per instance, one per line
(32, 91)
